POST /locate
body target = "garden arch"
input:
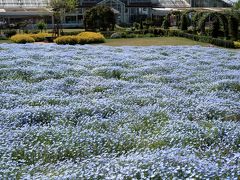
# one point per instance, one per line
(195, 20)
(187, 13)
(221, 18)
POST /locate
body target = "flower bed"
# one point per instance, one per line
(98, 112)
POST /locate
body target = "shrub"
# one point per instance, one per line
(22, 38)
(205, 39)
(116, 35)
(124, 35)
(223, 43)
(184, 22)
(107, 34)
(233, 27)
(34, 31)
(40, 36)
(236, 44)
(3, 37)
(41, 25)
(9, 33)
(214, 29)
(166, 23)
(73, 33)
(67, 40)
(136, 25)
(131, 35)
(82, 38)
(90, 37)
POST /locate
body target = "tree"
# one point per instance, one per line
(237, 5)
(41, 25)
(214, 28)
(166, 22)
(60, 7)
(99, 17)
(233, 27)
(184, 22)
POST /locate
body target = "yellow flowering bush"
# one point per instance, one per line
(40, 36)
(90, 37)
(67, 40)
(22, 38)
(237, 44)
(82, 38)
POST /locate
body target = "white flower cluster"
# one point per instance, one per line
(99, 112)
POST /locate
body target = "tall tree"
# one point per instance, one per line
(99, 17)
(237, 5)
(60, 7)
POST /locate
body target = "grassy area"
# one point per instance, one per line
(5, 41)
(156, 41)
(71, 30)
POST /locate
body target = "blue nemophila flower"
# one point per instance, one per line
(98, 112)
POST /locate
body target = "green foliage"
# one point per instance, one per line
(66, 5)
(147, 23)
(223, 43)
(237, 5)
(219, 18)
(205, 39)
(3, 38)
(60, 7)
(214, 28)
(166, 22)
(9, 33)
(41, 25)
(233, 27)
(116, 35)
(184, 22)
(136, 25)
(99, 17)
(233, 86)
(195, 20)
(73, 33)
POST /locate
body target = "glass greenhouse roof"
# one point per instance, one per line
(44, 3)
(173, 3)
(230, 1)
(24, 3)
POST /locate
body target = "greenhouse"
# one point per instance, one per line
(127, 11)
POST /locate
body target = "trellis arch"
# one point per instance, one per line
(219, 16)
(195, 19)
(188, 12)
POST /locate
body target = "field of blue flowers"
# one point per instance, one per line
(99, 112)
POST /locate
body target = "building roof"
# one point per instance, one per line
(24, 3)
(24, 11)
(171, 3)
